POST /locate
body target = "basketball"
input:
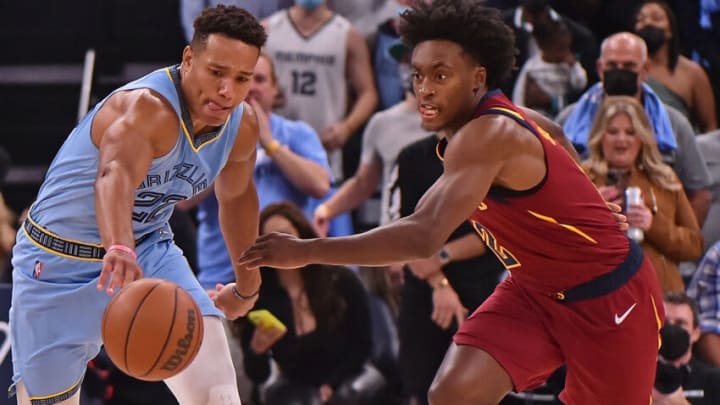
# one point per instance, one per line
(152, 329)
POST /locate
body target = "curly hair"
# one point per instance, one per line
(479, 30)
(649, 160)
(231, 21)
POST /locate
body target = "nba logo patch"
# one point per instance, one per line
(38, 269)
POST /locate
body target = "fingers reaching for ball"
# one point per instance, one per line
(119, 269)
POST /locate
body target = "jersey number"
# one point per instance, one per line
(150, 199)
(303, 83)
(507, 259)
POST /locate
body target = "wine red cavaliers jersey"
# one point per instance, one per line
(557, 234)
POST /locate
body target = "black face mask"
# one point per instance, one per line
(620, 82)
(654, 37)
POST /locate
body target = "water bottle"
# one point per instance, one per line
(633, 196)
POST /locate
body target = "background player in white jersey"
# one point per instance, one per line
(318, 55)
(92, 228)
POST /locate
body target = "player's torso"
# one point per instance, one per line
(311, 70)
(66, 201)
(557, 234)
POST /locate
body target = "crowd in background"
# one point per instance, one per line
(636, 96)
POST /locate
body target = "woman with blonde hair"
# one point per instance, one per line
(623, 153)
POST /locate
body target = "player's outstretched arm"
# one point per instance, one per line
(130, 130)
(238, 216)
(472, 163)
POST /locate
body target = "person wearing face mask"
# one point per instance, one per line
(677, 80)
(623, 68)
(621, 141)
(681, 379)
(387, 76)
(318, 56)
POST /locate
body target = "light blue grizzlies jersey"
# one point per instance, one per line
(66, 201)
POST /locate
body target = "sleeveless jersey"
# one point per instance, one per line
(310, 70)
(556, 235)
(66, 201)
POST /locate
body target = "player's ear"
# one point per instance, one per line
(479, 79)
(187, 55)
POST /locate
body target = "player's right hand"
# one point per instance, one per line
(120, 268)
(278, 250)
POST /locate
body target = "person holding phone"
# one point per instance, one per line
(623, 153)
(326, 312)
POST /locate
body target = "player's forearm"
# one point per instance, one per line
(306, 175)
(114, 193)
(401, 241)
(238, 217)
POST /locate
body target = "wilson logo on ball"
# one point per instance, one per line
(183, 344)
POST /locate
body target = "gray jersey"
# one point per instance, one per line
(311, 71)
(386, 134)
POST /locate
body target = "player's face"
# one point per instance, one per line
(444, 77)
(620, 144)
(263, 88)
(217, 77)
(278, 223)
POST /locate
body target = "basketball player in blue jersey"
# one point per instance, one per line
(100, 219)
(580, 293)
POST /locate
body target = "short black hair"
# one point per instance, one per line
(231, 21)
(680, 298)
(479, 30)
(551, 32)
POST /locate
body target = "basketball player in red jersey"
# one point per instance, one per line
(580, 293)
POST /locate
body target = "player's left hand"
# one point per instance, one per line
(232, 306)
(278, 250)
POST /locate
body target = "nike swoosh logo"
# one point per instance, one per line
(620, 319)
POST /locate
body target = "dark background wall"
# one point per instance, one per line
(42, 48)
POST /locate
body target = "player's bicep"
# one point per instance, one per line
(470, 169)
(234, 179)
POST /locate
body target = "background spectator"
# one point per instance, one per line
(680, 376)
(522, 20)
(677, 80)
(705, 290)
(325, 310)
(621, 144)
(318, 55)
(623, 69)
(548, 81)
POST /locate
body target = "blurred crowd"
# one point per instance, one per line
(634, 85)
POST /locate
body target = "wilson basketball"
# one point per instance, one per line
(152, 329)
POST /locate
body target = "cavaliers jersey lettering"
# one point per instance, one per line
(66, 201)
(559, 233)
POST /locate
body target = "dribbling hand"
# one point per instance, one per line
(120, 268)
(278, 250)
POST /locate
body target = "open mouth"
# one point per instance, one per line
(428, 111)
